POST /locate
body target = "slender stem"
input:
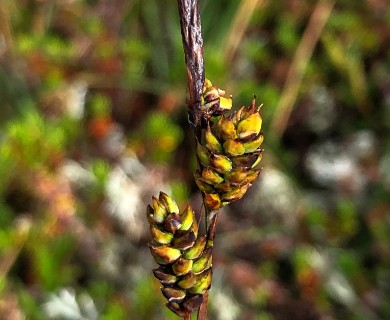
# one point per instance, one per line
(238, 27)
(187, 316)
(193, 53)
(211, 223)
(299, 64)
(202, 312)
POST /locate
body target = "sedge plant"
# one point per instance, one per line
(228, 151)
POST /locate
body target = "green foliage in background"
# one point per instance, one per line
(93, 122)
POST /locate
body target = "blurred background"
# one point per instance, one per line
(93, 123)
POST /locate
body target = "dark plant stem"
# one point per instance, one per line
(211, 224)
(202, 312)
(193, 54)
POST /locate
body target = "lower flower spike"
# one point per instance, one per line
(183, 255)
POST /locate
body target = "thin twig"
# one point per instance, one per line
(299, 64)
(238, 27)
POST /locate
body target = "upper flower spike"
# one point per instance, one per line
(228, 151)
